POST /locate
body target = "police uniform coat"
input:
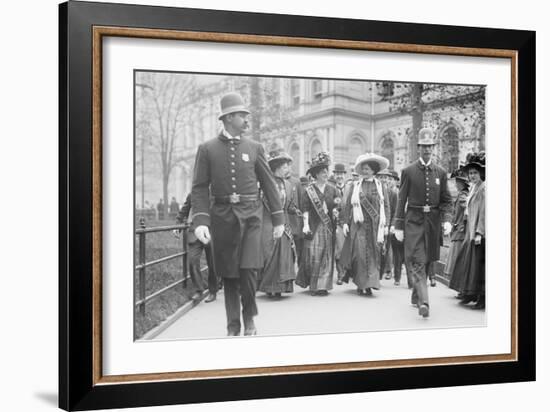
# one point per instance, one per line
(422, 186)
(225, 167)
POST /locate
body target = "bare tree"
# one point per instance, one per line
(269, 117)
(162, 102)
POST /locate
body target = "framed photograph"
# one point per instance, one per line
(257, 206)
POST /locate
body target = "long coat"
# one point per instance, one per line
(279, 254)
(423, 186)
(233, 166)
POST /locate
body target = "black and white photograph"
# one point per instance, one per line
(277, 206)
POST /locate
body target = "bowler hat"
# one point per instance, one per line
(426, 137)
(339, 168)
(384, 172)
(460, 174)
(232, 103)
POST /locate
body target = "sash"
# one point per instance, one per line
(369, 208)
(318, 205)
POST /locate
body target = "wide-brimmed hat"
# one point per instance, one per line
(232, 103)
(304, 179)
(276, 157)
(426, 137)
(339, 168)
(475, 160)
(382, 162)
(320, 161)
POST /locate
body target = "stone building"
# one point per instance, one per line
(345, 118)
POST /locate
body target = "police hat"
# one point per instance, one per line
(232, 103)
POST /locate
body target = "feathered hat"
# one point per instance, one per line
(320, 161)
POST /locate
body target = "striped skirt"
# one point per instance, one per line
(316, 269)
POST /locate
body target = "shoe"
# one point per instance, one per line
(433, 283)
(211, 297)
(277, 295)
(467, 299)
(388, 276)
(396, 283)
(368, 292)
(233, 333)
(480, 304)
(339, 281)
(459, 296)
(360, 291)
(196, 297)
(424, 310)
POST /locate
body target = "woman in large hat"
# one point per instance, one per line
(470, 263)
(366, 222)
(320, 199)
(278, 274)
(458, 230)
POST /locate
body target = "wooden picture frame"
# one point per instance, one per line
(83, 26)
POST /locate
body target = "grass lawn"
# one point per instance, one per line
(158, 276)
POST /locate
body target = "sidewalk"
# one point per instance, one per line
(342, 311)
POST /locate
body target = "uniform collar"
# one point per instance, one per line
(423, 165)
(225, 135)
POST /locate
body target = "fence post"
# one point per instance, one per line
(184, 258)
(142, 269)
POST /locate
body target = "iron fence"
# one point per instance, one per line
(142, 265)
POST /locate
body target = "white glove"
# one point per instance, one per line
(278, 231)
(447, 228)
(176, 233)
(203, 234)
(392, 230)
(345, 229)
(399, 235)
(386, 230)
(306, 228)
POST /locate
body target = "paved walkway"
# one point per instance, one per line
(343, 310)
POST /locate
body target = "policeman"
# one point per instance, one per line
(228, 171)
(424, 190)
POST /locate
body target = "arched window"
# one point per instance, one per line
(448, 150)
(356, 146)
(387, 147)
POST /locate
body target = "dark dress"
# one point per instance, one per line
(457, 240)
(317, 265)
(470, 263)
(364, 263)
(278, 273)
